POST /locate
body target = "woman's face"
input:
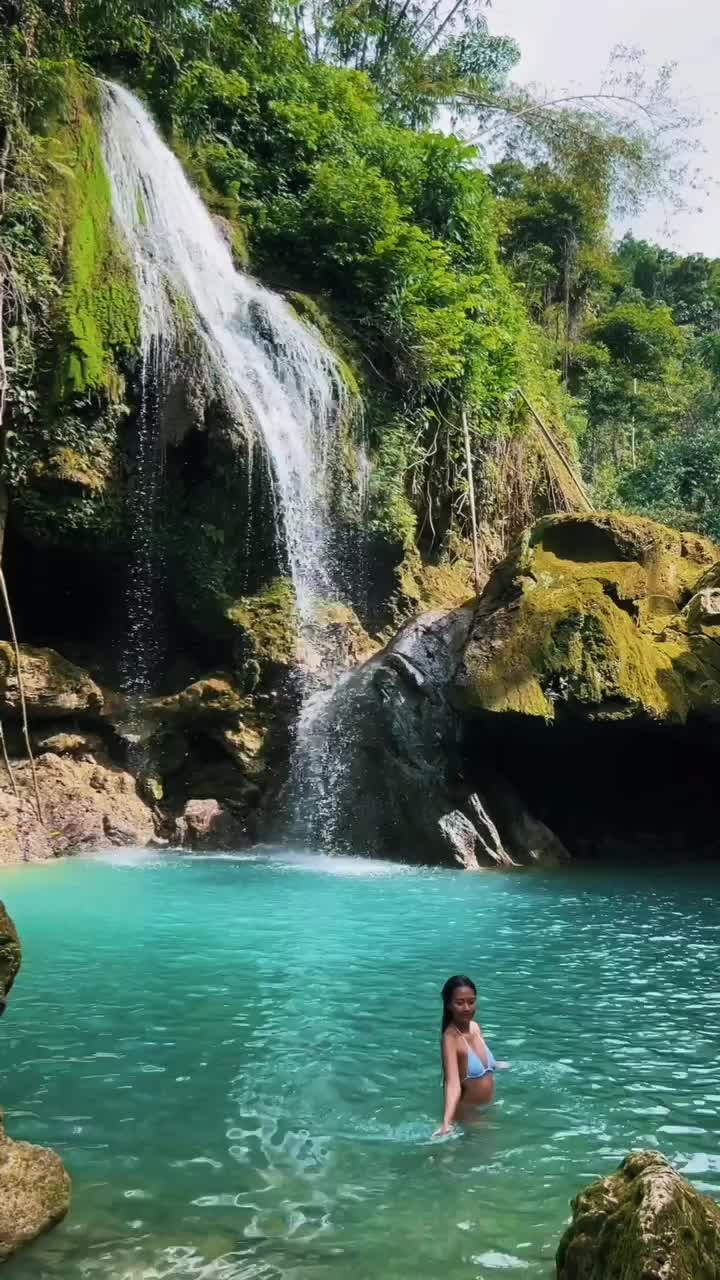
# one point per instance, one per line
(463, 1003)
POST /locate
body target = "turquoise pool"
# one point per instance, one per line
(238, 1059)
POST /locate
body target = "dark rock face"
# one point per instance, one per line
(643, 1222)
(572, 707)
(378, 768)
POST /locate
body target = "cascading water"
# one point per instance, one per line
(280, 383)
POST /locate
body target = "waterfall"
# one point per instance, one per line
(278, 380)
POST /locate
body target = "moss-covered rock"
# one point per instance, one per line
(587, 618)
(10, 955)
(211, 700)
(65, 456)
(53, 686)
(444, 584)
(642, 1221)
(266, 627)
(34, 1192)
(99, 302)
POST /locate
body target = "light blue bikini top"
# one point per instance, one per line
(475, 1067)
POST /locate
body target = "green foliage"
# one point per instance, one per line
(309, 129)
(679, 482)
(643, 337)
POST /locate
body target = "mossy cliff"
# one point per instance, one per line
(591, 680)
(588, 617)
(69, 405)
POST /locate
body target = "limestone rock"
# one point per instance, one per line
(53, 686)
(206, 825)
(213, 698)
(34, 1192)
(643, 1222)
(70, 744)
(23, 838)
(85, 806)
(587, 619)
(10, 955)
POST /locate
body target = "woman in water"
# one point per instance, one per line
(468, 1065)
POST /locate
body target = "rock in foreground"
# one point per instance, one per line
(643, 1222)
(34, 1187)
(34, 1192)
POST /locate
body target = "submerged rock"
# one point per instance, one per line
(643, 1222)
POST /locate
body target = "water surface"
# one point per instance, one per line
(238, 1059)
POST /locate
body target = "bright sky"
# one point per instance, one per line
(566, 43)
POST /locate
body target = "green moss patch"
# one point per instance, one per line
(99, 301)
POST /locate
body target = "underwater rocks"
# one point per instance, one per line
(643, 1222)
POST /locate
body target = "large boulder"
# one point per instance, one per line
(85, 805)
(643, 1222)
(559, 711)
(34, 1192)
(206, 825)
(377, 765)
(53, 686)
(593, 617)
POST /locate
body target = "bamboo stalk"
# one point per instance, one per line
(548, 436)
(21, 692)
(471, 492)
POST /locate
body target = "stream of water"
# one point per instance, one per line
(238, 1059)
(278, 380)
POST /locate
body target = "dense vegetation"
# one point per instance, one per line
(447, 286)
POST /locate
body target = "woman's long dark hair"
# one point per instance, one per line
(451, 985)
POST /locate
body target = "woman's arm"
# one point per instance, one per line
(452, 1086)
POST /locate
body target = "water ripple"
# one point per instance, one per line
(238, 1059)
